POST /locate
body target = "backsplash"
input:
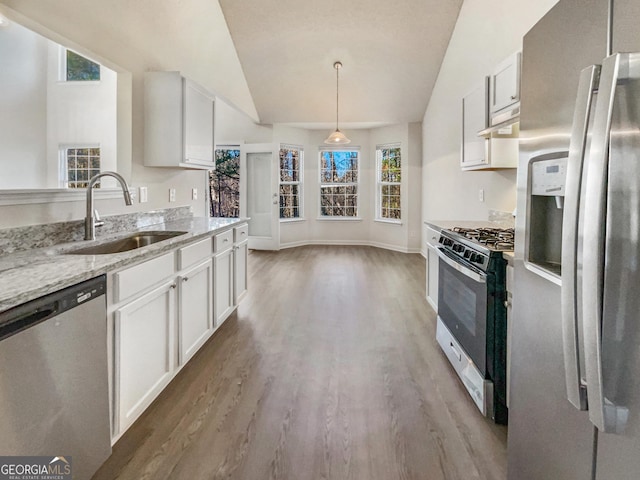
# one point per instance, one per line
(48, 234)
(502, 219)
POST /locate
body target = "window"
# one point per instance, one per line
(80, 69)
(290, 181)
(224, 183)
(339, 183)
(388, 175)
(79, 165)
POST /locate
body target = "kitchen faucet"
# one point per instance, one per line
(89, 221)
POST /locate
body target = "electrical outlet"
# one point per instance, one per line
(194, 193)
(172, 194)
(481, 195)
(144, 195)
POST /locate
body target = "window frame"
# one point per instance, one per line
(63, 166)
(235, 147)
(322, 184)
(299, 183)
(62, 67)
(380, 183)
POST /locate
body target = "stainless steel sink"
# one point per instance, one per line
(131, 242)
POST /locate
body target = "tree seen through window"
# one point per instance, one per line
(224, 184)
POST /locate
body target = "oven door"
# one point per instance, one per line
(462, 305)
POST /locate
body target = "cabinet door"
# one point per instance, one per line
(505, 84)
(474, 119)
(432, 277)
(144, 360)
(240, 271)
(223, 285)
(195, 309)
(198, 125)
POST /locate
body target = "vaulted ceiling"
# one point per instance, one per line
(391, 53)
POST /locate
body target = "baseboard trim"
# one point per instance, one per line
(350, 243)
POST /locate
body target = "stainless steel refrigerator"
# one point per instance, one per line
(574, 409)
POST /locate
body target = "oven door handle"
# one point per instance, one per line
(467, 272)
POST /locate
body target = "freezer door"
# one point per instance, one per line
(625, 26)
(618, 457)
(548, 437)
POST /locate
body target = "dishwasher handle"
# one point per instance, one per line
(36, 311)
(28, 319)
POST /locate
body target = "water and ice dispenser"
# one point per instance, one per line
(547, 178)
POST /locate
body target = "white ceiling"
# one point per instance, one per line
(391, 52)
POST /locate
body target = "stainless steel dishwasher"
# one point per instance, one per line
(54, 397)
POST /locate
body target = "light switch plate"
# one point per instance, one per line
(172, 194)
(144, 195)
(194, 193)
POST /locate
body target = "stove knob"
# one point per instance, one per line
(472, 257)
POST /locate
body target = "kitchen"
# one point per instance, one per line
(481, 39)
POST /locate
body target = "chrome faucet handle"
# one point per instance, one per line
(97, 221)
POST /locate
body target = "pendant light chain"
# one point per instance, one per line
(337, 137)
(337, 66)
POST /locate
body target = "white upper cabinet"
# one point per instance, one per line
(505, 86)
(474, 119)
(178, 122)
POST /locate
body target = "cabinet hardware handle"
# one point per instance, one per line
(184, 279)
(225, 240)
(513, 97)
(173, 285)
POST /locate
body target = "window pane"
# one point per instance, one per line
(390, 164)
(81, 165)
(341, 169)
(81, 69)
(289, 165)
(224, 184)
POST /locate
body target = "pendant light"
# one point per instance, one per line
(337, 137)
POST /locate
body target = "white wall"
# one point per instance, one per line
(487, 31)
(233, 126)
(23, 97)
(123, 34)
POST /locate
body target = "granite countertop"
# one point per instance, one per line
(29, 274)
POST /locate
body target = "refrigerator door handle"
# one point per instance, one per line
(588, 84)
(594, 238)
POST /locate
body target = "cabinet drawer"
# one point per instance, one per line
(433, 236)
(223, 241)
(241, 233)
(194, 253)
(136, 279)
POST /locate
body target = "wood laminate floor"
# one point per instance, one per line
(329, 369)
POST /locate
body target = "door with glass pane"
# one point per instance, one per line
(262, 196)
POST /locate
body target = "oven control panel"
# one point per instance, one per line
(465, 252)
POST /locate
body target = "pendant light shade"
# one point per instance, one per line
(337, 137)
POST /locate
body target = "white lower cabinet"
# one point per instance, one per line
(195, 309)
(144, 355)
(432, 277)
(223, 281)
(240, 257)
(433, 264)
(162, 311)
